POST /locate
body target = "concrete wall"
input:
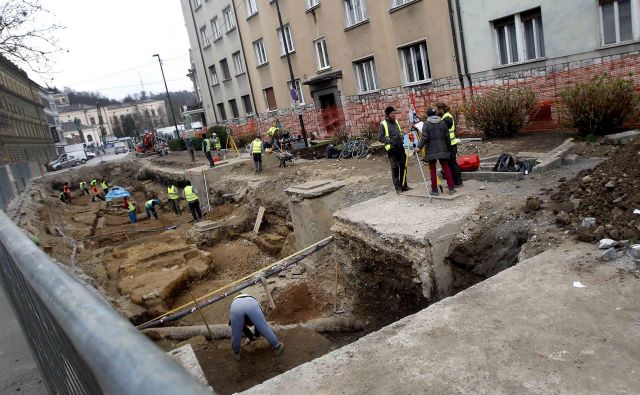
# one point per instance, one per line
(14, 179)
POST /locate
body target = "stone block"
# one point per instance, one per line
(569, 159)
(621, 138)
(204, 226)
(186, 357)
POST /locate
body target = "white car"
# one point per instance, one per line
(91, 155)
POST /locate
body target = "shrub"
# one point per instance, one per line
(501, 113)
(221, 132)
(370, 132)
(243, 140)
(599, 106)
(341, 136)
(197, 143)
(177, 145)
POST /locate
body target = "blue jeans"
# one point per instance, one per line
(150, 211)
(249, 308)
(133, 217)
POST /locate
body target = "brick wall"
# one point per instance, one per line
(361, 111)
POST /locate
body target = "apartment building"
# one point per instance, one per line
(219, 59)
(53, 119)
(350, 58)
(24, 132)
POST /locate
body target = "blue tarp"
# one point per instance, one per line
(117, 193)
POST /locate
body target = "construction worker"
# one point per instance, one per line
(216, 143)
(104, 185)
(390, 134)
(192, 201)
(63, 197)
(246, 312)
(256, 151)
(273, 135)
(95, 191)
(189, 145)
(150, 207)
(66, 189)
(174, 197)
(132, 210)
(206, 148)
(94, 182)
(435, 137)
(84, 188)
(444, 113)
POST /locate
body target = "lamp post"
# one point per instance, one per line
(103, 134)
(175, 123)
(293, 81)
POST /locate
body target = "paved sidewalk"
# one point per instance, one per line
(19, 373)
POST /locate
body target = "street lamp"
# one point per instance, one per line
(175, 123)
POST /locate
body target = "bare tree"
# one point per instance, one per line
(23, 38)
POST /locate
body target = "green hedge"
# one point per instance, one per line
(501, 113)
(177, 145)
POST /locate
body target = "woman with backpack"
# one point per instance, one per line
(436, 140)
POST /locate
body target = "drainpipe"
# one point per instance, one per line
(455, 48)
(252, 95)
(462, 46)
(204, 66)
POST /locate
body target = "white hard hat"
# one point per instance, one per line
(214, 135)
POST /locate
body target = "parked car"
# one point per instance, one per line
(121, 148)
(64, 161)
(91, 155)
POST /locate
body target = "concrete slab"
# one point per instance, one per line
(313, 189)
(491, 176)
(186, 357)
(529, 155)
(204, 226)
(569, 159)
(313, 184)
(548, 163)
(422, 193)
(527, 330)
(621, 138)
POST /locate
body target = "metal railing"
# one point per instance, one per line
(80, 343)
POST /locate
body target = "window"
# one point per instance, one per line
(261, 53)
(234, 108)
(246, 101)
(229, 19)
(204, 35)
(226, 74)
(617, 21)
(312, 3)
(520, 37)
(366, 75)
(92, 120)
(398, 3)
(299, 90)
(252, 9)
(237, 62)
(286, 44)
(356, 11)
(270, 99)
(222, 112)
(415, 63)
(322, 55)
(214, 75)
(215, 27)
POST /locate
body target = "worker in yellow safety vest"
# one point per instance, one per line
(390, 134)
(447, 118)
(256, 151)
(216, 143)
(132, 210)
(104, 185)
(193, 201)
(84, 188)
(245, 313)
(206, 148)
(174, 197)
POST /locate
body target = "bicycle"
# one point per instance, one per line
(355, 148)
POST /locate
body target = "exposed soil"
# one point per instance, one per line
(298, 303)
(523, 142)
(609, 193)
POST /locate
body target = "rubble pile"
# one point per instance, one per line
(601, 202)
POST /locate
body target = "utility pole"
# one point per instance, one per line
(175, 123)
(293, 80)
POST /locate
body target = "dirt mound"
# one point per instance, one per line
(609, 193)
(298, 303)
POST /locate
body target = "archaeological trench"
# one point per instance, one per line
(391, 256)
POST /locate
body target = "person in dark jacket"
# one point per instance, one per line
(390, 134)
(435, 139)
(444, 112)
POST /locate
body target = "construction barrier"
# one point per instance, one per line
(79, 342)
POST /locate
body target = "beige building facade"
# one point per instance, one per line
(345, 53)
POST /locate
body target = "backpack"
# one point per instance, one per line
(505, 163)
(524, 167)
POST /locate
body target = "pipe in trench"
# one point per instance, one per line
(223, 331)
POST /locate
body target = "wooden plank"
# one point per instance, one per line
(256, 227)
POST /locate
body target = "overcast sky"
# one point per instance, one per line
(106, 37)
